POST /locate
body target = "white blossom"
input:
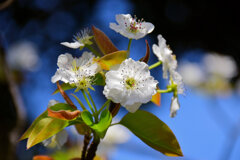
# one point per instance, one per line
(80, 40)
(76, 71)
(192, 73)
(178, 80)
(130, 84)
(23, 56)
(164, 54)
(174, 106)
(131, 27)
(57, 140)
(223, 66)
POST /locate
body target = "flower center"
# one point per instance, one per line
(84, 37)
(135, 25)
(83, 83)
(130, 83)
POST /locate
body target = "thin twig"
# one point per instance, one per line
(65, 96)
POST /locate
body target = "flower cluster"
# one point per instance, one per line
(126, 82)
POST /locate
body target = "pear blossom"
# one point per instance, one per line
(80, 40)
(57, 140)
(131, 27)
(174, 106)
(197, 76)
(130, 84)
(76, 71)
(223, 66)
(164, 54)
(178, 80)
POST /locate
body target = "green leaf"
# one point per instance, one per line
(99, 79)
(87, 118)
(42, 121)
(105, 121)
(65, 86)
(44, 129)
(101, 127)
(153, 132)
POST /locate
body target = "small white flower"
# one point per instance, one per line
(57, 140)
(164, 54)
(130, 84)
(178, 80)
(174, 106)
(80, 40)
(131, 27)
(76, 71)
(192, 73)
(223, 66)
(52, 103)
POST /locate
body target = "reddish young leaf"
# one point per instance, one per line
(42, 157)
(111, 59)
(147, 55)
(114, 108)
(62, 114)
(103, 42)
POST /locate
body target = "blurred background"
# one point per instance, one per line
(204, 35)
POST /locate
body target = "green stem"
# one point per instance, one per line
(155, 65)
(165, 91)
(89, 95)
(89, 104)
(115, 124)
(79, 101)
(128, 49)
(93, 50)
(103, 106)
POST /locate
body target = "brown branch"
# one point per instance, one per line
(65, 96)
(93, 148)
(87, 139)
(5, 4)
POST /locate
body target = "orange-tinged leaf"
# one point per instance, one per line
(156, 99)
(56, 107)
(62, 114)
(42, 157)
(104, 43)
(147, 55)
(108, 61)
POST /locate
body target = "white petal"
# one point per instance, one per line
(52, 103)
(174, 107)
(122, 18)
(61, 138)
(148, 27)
(64, 60)
(73, 45)
(133, 108)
